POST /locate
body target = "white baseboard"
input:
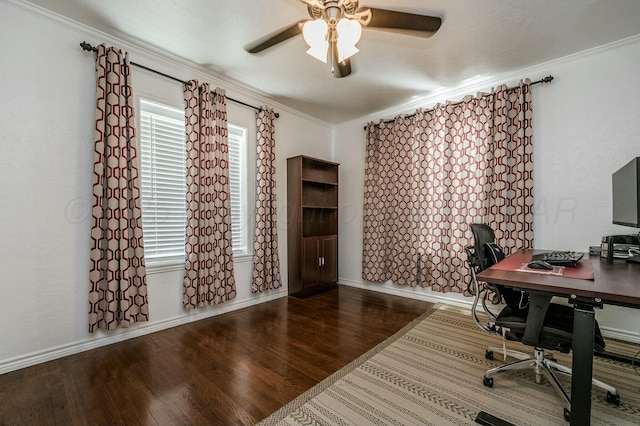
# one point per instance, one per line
(142, 329)
(624, 335)
(103, 339)
(455, 299)
(424, 294)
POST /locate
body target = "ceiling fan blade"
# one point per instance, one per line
(339, 69)
(403, 22)
(274, 38)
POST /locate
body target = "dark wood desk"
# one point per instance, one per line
(614, 283)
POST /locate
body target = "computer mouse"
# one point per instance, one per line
(540, 264)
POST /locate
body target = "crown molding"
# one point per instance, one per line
(169, 63)
(247, 94)
(534, 72)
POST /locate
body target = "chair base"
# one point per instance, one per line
(505, 353)
(546, 366)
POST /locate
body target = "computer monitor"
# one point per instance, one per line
(626, 194)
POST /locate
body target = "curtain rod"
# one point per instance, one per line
(89, 48)
(547, 79)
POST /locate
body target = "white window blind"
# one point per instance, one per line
(162, 140)
(163, 171)
(238, 188)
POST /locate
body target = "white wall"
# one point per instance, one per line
(586, 126)
(46, 144)
(46, 115)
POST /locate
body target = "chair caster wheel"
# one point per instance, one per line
(487, 381)
(613, 399)
(567, 415)
(488, 354)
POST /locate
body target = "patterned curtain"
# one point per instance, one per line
(428, 176)
(266, 264)
(509, 188)
(209, 276)
(118, 293)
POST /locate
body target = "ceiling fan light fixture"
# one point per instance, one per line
(345, 52)
(314, 33)
(319, 51)
(335, 28)
(349, 32)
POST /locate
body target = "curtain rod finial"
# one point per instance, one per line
(86, 46)
(547, 79)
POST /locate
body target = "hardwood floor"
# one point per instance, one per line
(236, 368)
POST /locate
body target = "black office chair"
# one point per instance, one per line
(527, 318)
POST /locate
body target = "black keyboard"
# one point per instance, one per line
(560, 258)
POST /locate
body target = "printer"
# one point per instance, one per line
(619, 246)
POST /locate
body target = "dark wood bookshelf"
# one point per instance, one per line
(312, 232)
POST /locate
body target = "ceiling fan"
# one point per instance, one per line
(335, 27)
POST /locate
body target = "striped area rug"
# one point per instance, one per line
(430, 373)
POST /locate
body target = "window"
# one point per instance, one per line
(163, 183)
(163, 172)
(238, 187)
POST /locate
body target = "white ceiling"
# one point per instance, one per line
(478, 38)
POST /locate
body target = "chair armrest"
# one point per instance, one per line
(538, 306)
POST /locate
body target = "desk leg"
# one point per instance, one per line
(582, 365)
